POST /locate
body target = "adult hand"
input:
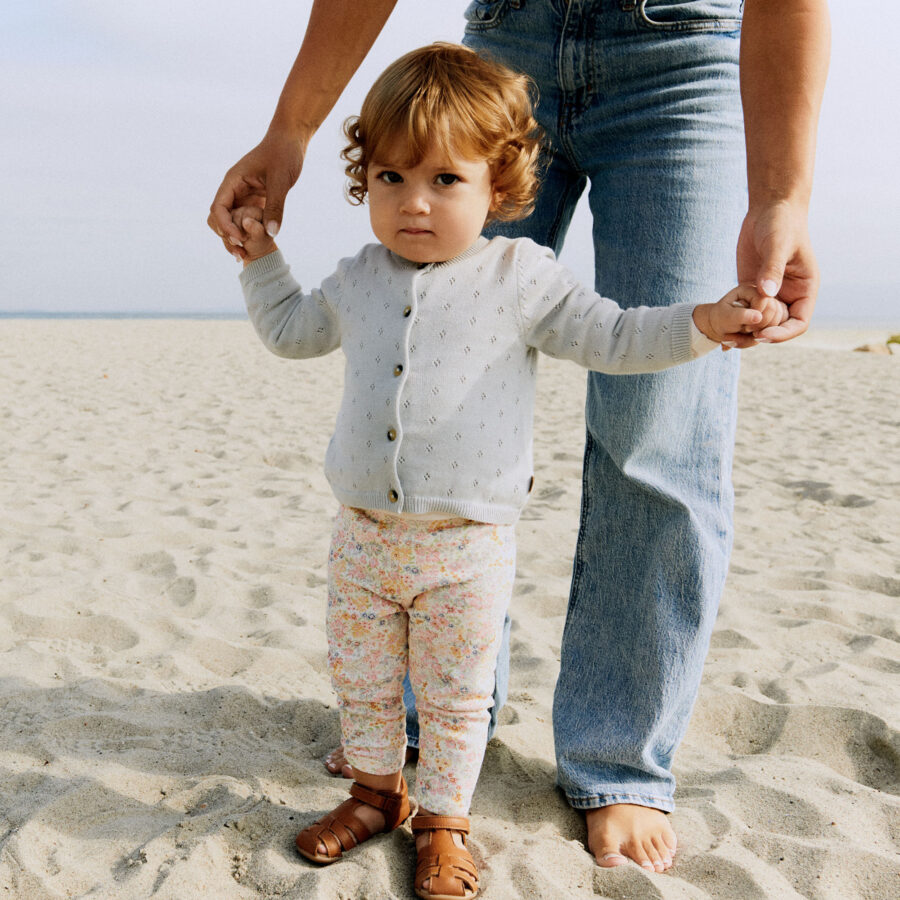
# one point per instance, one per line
(261, 177)
(774, 252)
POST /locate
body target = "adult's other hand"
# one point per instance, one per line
(774, 252)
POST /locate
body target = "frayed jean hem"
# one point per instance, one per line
(597, 801)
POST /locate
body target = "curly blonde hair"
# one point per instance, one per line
(447, 96)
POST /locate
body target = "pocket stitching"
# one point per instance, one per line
(722, 24)
(476, 25)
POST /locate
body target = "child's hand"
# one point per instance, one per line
(257, 243)
(775, 313)
(739, 318)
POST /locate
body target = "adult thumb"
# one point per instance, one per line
(771, 273)
(273, 213)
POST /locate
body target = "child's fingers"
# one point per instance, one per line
(254, 228)
(238, 216)
(740, 318)
(744, 294)
(783, 313)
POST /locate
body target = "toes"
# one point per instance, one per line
(336, 763)
(663, 853)
(609, 859)
(643, 854)
(645, 857)
(652, 855)
(655, 859)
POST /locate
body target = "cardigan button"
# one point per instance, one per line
(393, 496)
(406, 311)
(391, 434)
(398, 369)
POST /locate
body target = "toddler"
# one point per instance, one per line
(431, 454)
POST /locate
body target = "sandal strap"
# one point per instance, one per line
(440, 823)
(450, 869)
(389, 802)
(342, 829)
(338, 833)
(446, 864)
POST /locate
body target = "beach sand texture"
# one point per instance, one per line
(164, 698)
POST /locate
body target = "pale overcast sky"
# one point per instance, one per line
(119, 119)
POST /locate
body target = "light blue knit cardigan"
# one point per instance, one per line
(441, 361)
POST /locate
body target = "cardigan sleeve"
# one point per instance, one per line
(564, 319)
(290, 323)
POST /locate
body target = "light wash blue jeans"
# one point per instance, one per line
(641, 100)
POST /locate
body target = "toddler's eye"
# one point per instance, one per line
(447, 178)
(390, 177)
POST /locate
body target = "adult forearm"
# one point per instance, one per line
(338, 37)
(784, 62)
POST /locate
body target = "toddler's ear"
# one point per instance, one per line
(497, 198)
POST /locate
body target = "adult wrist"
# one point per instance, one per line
(771, 198)
(283, 129)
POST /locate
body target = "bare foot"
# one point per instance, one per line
(337, 764)
(624, 831)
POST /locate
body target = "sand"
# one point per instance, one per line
(164, 699)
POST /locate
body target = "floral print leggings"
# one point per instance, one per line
(430, 595)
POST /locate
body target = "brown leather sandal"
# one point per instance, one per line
(451, 868)
(341, 830)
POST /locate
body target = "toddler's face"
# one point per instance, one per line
(430, 212)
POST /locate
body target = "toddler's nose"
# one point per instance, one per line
(415, 202)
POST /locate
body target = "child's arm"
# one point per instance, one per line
(566, 320)
(741, 311)
(289, 322)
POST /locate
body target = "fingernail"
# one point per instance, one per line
(769, 287)
(763, 340)
(235, 241)
(272, 228)
(237, 257)
(647, 865)
(729, 343)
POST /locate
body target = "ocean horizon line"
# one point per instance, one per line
(112, 314)
(819, 321)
